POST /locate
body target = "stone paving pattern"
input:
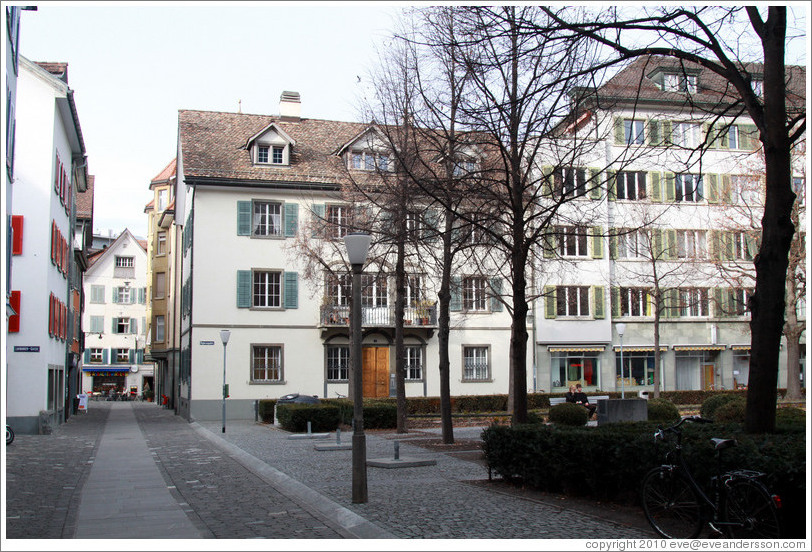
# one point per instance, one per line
(227, 499)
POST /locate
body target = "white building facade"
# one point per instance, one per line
(44, 336)
(115, 321)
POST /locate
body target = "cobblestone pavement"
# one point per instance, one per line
(422, 502)
(45, 473)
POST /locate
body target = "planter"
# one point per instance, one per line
(622, 410)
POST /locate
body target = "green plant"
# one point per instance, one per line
(731, 411)
(294, 417)
(149, 394)
(790, 416)
(265, 410)
(568, 414)
(713, 402)
(662, 410)
(380, 415)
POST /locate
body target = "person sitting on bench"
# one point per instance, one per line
(569, 396)
(583, 400)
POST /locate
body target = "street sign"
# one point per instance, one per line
(26, 348)
(207, 342)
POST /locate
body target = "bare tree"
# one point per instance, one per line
(713, 38)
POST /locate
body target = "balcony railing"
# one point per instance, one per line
(381, 317)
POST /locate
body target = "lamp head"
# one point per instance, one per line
(357, 244)
(621, 329)
(224, 335)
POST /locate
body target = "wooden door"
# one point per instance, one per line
(376, 371)
(708, 372)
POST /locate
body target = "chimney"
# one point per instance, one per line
(290, 106)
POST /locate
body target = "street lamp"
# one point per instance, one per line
(224, 335)
(621, 329)
(357, 248)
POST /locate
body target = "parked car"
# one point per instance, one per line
(297, 398)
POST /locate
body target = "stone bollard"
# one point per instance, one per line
(338, 436)
(308, 428)
(397, 450)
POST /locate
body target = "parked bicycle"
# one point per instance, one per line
(9, 435)
(739, 505)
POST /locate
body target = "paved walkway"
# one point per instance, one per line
(102, 475)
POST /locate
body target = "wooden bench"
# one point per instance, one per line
(592, 400)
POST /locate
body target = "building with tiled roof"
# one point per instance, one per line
(252, 192)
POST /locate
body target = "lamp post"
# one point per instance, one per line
(621, 329)
(224, 335)
(357, 248)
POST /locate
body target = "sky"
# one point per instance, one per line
(132, 66)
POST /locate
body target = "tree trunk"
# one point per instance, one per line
(400, 296)
(444, 330)
(768, 301)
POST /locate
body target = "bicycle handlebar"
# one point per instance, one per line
(660, 434)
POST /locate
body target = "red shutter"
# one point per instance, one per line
(14, 319)
(57, 173)
(51, 314)
(63, 323)
(17, 231)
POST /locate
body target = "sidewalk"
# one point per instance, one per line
(102, 476)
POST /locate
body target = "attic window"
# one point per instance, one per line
(679, 82)
(274, 155)
(369, 161)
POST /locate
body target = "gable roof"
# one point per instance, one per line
(213, 148)
(166, 175)
(277, 129)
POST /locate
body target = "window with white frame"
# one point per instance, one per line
(476, 363)
(125, 262)
(686, 135)
(691, 244)
(731, 138)
(414, 289)
(464, 167)
(572, 300)
(274, 155)
(415, 227)
(743, 246)
(688, 188)
(369, 161)
(572, 241)
(162, 195)
(633, 131)
(160, 246)
(96, 355)
(122, 356)
(634, 301)
(739, 301)
(266, 363)
(679, 82)
(338, 363)
(122, 325)
(474, 293)
(267, 218)
(374, 290)
(413, 362)
(338, 289)
(630, 185)
(267, 289)
(123, 295)
(159, 334)
(339, 220)
(632, 244)
(693, 302)
(571, 181)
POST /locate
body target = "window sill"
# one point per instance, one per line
(476, 381)
(280, 382)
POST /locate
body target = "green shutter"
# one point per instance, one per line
(712, 188)
(730, 245)
(611, 185)
(291, 219)
(549, 302)
(615, 297)
(597, 294)
(319, 210)
(751, 243)
(613, 239)
(596, 190)
(291, 290)
(142, 295)
(719, 302)
(243, 218)
(115, 295)
(87, 356)
(666, 140)
(243, 289)
(132, 354)
(748, 137)
(671, 306)
(707, 131)
(620, 134)
(655, 192)
(550, 243)
(654, 136)
(496, 288)
(456, 296)
(104, 356)
(726, 192)
(547, 181)
(597, 242)
(133, 325)
(713, 244)
(670, 188)
(671, 243)
(115, 325)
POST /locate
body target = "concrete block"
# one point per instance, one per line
(622, 410)
(404, 462)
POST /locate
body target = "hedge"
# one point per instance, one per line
(294, 417)
(608, 462)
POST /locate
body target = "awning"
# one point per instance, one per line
(577, 349)
(699, 347)
(639, 348)
(740, 347)
(106, 370)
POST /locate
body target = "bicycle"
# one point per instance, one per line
(9, 435)
(675, 505)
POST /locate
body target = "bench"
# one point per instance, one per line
(592, 400)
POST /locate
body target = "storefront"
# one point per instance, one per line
(105, 380)
(573, 365)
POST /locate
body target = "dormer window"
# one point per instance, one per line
(369, 161)
(678, 82)
(271, 146)
(274, 155)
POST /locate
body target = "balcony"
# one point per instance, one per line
(334, 316)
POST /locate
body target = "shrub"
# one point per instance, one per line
(568, 414)
(731, 411)
(265, 408)
(712, 403)
(380, 415)
(790, 416)
(662, 410)
(294, 417)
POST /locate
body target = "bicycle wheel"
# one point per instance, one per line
(671, 504)
(9, 435)
(750, 511)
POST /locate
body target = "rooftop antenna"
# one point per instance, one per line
(239, 106)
